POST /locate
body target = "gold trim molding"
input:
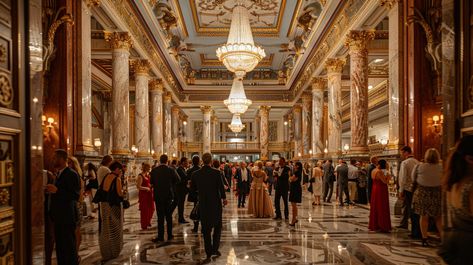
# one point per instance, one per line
(205, 62)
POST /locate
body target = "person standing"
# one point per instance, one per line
(243, 176)
(145, 196)
(316, 182)
(371, 167)
(163, 179)
(64, 194)
(103, 170)
(295, 195)
(426, 200)
(353, 173)
(181, 189)
(282, 189)
(73, 163)
(207, 183)
(362, 183)
(193, 195)
(227, 170)
(268, 169)
(342, 181)
(380, 217)
(329, 178)
(259, 202)
(405, 191)
(91, 187)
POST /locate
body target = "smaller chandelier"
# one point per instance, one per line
(240, 54)
(237, 103)
(236, 125)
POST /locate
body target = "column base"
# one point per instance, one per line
(360, 152)
(85, 148)
(121, 152)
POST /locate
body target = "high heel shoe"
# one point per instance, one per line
(294, 223)
(425, 243)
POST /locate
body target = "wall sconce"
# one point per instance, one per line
(134, 150)
(384, 141)
(310, 151)
(97, 142)
(325, 150)
(285, 123)
(152, 152)
(437, 121)
(346, 147)
(299, 154)
(184, 123)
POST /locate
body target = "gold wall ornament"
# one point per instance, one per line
(4, 197)
(357, 40)
(334, 65)
(92, 3)
(141, 66)
(119, 40)
(6, 90)
(49, 50)
(3, 53)
(388, 3)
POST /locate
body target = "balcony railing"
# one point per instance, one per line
(239, 147)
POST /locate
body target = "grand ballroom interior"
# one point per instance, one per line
(312, 80)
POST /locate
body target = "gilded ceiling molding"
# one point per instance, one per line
(92, 3)
(389, 3)
(119, 40)
(357, 40)
(141, 66)
(334, 65)
(156, 84)
(319, 83)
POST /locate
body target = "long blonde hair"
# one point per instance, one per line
(76, 165)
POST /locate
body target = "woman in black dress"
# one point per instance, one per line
(295, 189)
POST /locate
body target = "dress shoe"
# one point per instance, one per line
(157, 240)
(170, 238)
(207, 260)
(402, 226)
(425, 243)
(217, 254)
(277, 218)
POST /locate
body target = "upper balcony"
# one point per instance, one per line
(235, 147)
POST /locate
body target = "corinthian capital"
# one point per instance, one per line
(119, 40)
(388, 3)
(318, 83)
(206, 109)
(156, 85)
(167, 97)
(334, 65)
(141, 66)
(264, 110)
(358, 39)
(92, 3)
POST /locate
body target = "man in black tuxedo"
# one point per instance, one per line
(65, 193)
(208, 183)
(227, 170)
(282, 189)
(193, 195)
(243, 177)
(181, 189)
(163, 179)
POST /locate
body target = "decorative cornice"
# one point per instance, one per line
(156, 85)
(206, 109)
(357, 40)
(334, 65)
(119, 40)
(318, 83)
(141, 66)
(389, 3)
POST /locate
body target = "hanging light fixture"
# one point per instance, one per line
(236, 125)
(237, 103)
(240, 54)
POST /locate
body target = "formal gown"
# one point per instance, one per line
(146, 203)
(259, 202)
(295, 188)
(380, 217)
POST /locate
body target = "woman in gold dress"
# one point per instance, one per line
(259, 202)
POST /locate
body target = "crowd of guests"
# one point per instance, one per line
(167, 185)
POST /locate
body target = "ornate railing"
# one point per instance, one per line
(237, 146)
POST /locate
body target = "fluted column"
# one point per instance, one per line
(121, 43)
(318, 87)
(297, 130)
(175, 130)
(285, 129)
(257, 128)
(357, 41)
(167, 124)
(156, 88)
(141, 107)
(306, 123)
(214, 128)
(334, 84)
(264, 131)
(207, 111)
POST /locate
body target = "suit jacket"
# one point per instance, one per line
(63, 209)
(207, 182)
(243, 186)
(328, 173)
(282, 182)
(163, 179)
(192, 194)
(182, 184)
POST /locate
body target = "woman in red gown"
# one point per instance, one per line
(146, 202)
(380, 216)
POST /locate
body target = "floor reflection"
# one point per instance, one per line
(325, 234)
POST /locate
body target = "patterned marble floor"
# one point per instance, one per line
(325, 234)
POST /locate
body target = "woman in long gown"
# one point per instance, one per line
(111, 214)
(380, 217)
(145, 196)
(259, 202)
(316, 183)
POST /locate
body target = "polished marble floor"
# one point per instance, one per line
(325, 234)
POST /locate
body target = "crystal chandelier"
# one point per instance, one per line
(236, 125)
(237, 103)
(240, 54)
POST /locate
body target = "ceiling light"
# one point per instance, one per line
(378, 60)
(370, 87)
(237, 103)
(240, 54)
(236, 125)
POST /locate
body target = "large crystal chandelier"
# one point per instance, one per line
(236, 125)
(237, 103)
(240, 54)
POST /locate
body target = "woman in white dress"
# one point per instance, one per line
(316, 182)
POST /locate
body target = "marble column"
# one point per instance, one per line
(141, 107)
(207, 111)
(395, 79)
(318, 145)
(285, 129)
(297, 112)
(264, 131)
(156, 89)
(357, 43)
(84, 142)
(121, 43)
(214, 129)
(257, 128)
(334, 85)
(167, 124)
(175, 130)
(306, 123)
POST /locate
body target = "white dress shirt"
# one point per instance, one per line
(244, 175)
(405, 173)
